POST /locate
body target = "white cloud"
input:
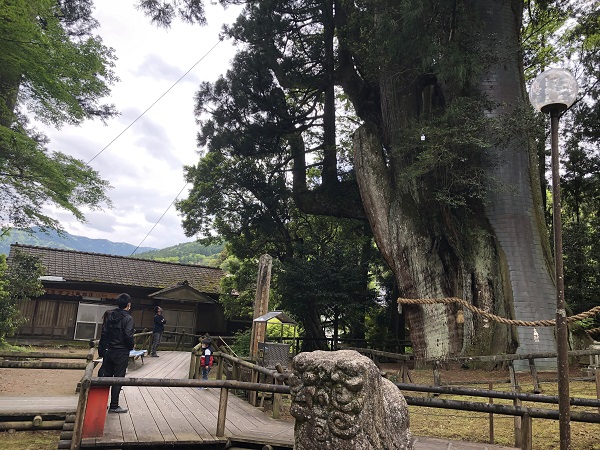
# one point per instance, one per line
(144, 163)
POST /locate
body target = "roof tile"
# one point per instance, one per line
(122, 270)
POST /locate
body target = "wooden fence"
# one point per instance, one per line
(233, 369)
(278, 388)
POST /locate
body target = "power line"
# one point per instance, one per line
(139, 117)
(163, 215)
(156, 101)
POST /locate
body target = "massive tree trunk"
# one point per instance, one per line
(514, 200)
(496, 260)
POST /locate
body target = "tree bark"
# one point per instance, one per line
(497, 260)
(514, 201)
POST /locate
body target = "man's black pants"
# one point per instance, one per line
(114, 364)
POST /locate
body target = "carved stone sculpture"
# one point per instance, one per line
(341, 402)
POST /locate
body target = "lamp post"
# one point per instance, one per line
(553, 91)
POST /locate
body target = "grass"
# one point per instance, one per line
(29, 440)
(475, 427)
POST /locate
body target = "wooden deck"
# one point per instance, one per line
(172, 417)
(183, 416)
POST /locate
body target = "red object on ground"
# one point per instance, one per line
(95, 412)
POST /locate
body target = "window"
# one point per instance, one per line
(89, 320)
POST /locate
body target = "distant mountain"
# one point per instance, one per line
(188, 253)
(68, 242)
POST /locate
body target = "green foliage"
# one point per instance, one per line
(241, 343)
(277, 330)
(54, 69)
(18, 283)
(445, 153)
(541, 22)
(239, 287)
(188, 253)
(60, 77)
(436, 40)
(580, 157)
(330, 275)
(581, 233)
(164, 12)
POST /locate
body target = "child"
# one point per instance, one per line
(206, 360)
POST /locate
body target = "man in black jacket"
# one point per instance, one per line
(159, 328)
(117, 332)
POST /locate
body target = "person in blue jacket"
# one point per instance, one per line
(159, 328)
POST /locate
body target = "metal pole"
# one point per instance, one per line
(561, 315)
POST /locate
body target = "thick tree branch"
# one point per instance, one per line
(375, 185)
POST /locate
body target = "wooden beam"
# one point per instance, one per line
(261, 302)
(222, 415)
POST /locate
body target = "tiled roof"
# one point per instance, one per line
(122, 270)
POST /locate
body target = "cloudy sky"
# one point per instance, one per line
(144, 164)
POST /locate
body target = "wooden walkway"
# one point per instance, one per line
(170, 417)
(183, 416)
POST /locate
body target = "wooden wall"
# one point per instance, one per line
(51, 318)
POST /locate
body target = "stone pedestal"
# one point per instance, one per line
(341, 402)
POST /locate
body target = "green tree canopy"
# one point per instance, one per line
(444, 151)
(18, 283)
(53, 69)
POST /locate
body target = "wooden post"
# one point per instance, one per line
(276, 403)
(220, 368)
(491, 401)
(147, 343)
(197, 368)
(179, 341)
(517, 402)
(405, 372)
(222, 415)
(235, 371)
(192, 371)
(261, 302)
(513, 376)
(526, 432)
(277, 397)
(536, 382)
(252, 395)
(81, 405)
(437, 381)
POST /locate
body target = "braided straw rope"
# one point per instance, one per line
(593, 331)
(522, 323)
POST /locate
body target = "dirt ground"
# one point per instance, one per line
(42, 382)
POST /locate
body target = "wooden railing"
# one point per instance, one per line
(437, 363)
(15, 419)
(143, 340)
(331, 343)
(276, 377)
(16, 360)
(523, 433)
(525, 413)
(225, 386)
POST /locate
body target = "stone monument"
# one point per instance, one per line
(341, 402)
